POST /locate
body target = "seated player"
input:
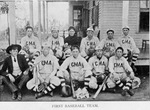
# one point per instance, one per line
(44, 79)
(129, 46)
(30, 44)
(88, 44)
(99, 65)
(56, 43)
(78, 68)
(17, 75)
(109, 44)
(122, 75)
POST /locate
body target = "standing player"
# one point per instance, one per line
(44, 80)
(122, 75)
(88, 44)
(109, 44)
(128, 44)
(30, 43)
(56, 43)
(99, 65)
(78, 67)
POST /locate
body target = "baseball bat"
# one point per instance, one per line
(72, 86)
(100, 87)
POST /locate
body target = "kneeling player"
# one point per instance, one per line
(79, 70)
(44, 80)
(99, 64)
(122, 75)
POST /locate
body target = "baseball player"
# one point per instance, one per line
(77, 66)
(109, 44)
(122, 75)
(88, 44)
(56, 43)
(128, 44)
(99, 65)
(44, 79)
(30, 43)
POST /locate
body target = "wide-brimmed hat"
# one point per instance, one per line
(9, 48)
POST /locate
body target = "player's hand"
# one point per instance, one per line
(12, 79)
(25, 72)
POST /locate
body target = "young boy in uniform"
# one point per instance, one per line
(56, 43)
(77, 67)
(128, 44)
(44, 77)
(109, 44)
(122, 75)
(88, 44)
(99, 65)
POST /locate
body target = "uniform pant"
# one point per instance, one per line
(116, 79)
(20, 81)
(33, 83)
(81, 77)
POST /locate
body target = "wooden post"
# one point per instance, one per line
(125, 13)
(44, 18)
(39, 21)
(31, 12)
(47, 16)
(12, 23)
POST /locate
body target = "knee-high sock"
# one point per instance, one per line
(134, 57)
(128, 85)
(86, 81)
(63, 83)
(50, 87)
(119, 84)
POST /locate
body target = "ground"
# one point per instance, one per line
(141, 94)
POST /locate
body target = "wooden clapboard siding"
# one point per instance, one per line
(134, 13)
(110, 17)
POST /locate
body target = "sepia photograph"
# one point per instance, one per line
(69, 54)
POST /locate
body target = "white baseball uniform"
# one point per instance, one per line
(109, 46)
(32, 42)
(127, 42)
(46, 70)
(86, 44)
(98, 65)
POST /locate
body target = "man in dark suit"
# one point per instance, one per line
(17, 74)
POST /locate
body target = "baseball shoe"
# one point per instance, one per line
(130, 92)
(39, 95)
(14, 95)
(124, 92)
(19, 96)
(51, 94)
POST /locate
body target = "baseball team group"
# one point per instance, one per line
(73, 64)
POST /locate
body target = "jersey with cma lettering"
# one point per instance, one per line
(86, 44)
(75, 64)
(127, 42)
(46, 65)
(118, 65)
(56, 43)
(32, 42)
(109, 45)
(99, 65)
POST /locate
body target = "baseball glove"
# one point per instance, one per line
(42, 87)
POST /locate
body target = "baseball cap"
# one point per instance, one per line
(126, 27)
(98, 48)
(110, 30)
(90, 29)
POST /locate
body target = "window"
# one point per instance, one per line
(77, 17)
(144, 16)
